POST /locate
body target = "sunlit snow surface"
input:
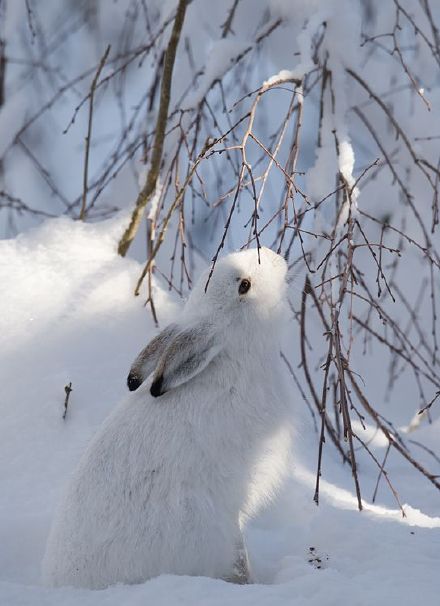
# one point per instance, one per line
(67, 314)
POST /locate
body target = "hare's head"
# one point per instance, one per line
(245, 295)
(249, 283)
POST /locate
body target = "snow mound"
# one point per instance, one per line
(68, 314)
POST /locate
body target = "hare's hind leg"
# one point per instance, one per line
(240, 571)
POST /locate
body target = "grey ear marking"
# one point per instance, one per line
(187, 354)
(147, 360)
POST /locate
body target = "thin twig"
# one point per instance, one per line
(68, 389)
(82, 214)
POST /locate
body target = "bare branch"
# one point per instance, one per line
(165, 93)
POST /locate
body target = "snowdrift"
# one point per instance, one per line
(67, 314)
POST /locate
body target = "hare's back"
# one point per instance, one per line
(142, 489)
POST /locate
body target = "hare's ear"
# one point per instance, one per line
(147, 360)
(187, 354)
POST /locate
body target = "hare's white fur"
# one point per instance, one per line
(167, 482)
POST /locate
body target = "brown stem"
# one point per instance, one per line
(328, 425)
(165, 93)
(82, 214)
(323, 414)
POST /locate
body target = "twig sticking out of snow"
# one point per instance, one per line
(68, 389)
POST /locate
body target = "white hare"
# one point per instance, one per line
(174, 472)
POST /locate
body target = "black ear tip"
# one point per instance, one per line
(156, 387)
(133, 381)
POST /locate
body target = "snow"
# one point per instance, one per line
(346, 161)
(346, 165)
(68, 314)
(154, 202)
(282, 76)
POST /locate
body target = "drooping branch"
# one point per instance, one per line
(165, 94)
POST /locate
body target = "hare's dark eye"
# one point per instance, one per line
(244, 287)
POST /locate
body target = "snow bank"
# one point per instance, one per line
(67, 314)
